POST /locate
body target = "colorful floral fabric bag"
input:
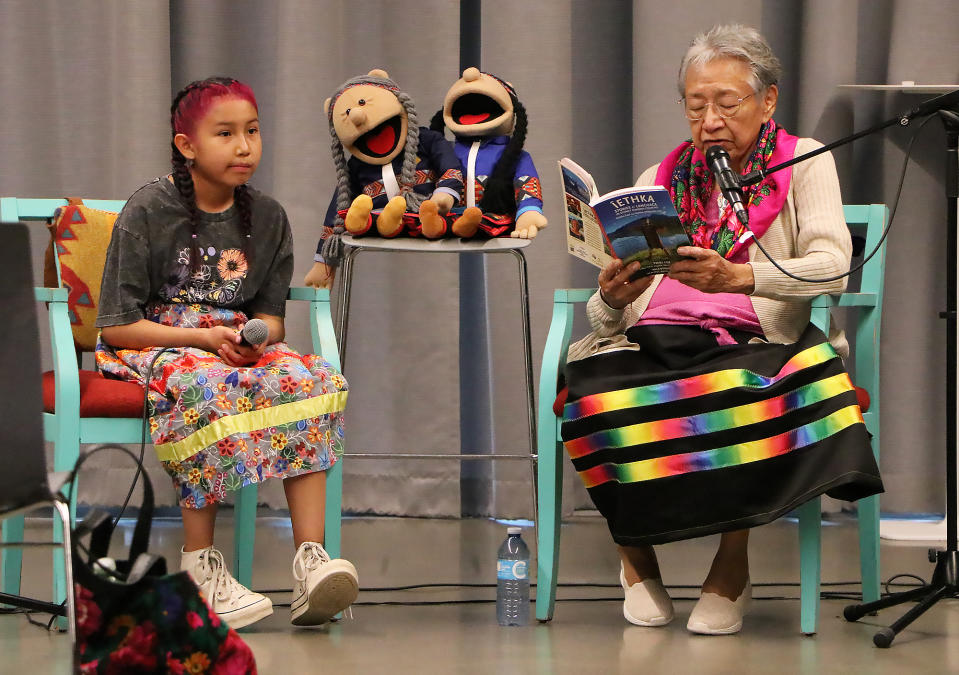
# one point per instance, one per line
(133, 617)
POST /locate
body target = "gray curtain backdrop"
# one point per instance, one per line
(86, 86)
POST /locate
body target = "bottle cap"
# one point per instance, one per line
(514, 530)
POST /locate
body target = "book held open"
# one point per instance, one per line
(634, 223)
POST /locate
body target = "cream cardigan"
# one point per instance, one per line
(809, 238)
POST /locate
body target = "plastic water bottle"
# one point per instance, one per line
(512, 580)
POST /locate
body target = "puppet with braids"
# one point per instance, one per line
(489, 123)
(399, 176)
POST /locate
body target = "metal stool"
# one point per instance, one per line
(352, 247)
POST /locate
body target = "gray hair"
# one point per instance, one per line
(738, 42)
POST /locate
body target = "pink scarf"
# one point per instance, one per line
(685, 174)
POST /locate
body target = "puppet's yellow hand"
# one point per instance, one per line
(444, 201)
(320, 276)
(528, 225)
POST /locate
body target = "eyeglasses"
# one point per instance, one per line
(725, 108)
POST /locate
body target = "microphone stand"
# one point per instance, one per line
(945, 576)
(925, 108)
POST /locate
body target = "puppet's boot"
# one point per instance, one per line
(466, 225)
(432, 224)
(390, 221)
(358, 219)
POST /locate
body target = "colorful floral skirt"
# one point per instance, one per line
(217, 428)
(683, 437)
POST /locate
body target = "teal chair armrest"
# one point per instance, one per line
(322, 331)
(819, 315)
(66, 369)
(846, 300)
(13, 209)
(50, 294)
(573, 295)
(309, 293)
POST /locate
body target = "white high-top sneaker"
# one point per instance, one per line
(232, 601)
(322, 587)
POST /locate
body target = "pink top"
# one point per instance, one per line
(676, 304)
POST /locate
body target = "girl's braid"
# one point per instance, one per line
(183, 179)
(243, 199)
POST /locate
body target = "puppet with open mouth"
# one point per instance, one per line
(489, 123)
(399, 177)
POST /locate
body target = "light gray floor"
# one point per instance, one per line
(584, 636)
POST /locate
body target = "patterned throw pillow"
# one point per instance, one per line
(80, 235)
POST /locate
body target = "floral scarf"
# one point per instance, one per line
(686, 175)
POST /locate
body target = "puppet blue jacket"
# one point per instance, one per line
(438, 168)
(525, 179)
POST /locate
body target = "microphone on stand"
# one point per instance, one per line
(254, 333)
(718, 160)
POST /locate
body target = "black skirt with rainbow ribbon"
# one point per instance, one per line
(683, 437)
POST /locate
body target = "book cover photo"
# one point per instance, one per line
(635, 223)
(641, 224)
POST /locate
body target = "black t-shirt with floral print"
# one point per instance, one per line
(149, 257)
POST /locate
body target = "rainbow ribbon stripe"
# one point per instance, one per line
(710, 422)
(733, 455)
(692, 387)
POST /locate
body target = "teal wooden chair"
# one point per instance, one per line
(68, 430)
(866, 221)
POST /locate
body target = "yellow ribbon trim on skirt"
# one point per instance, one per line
(250, 421)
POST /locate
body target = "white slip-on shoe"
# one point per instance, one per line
(647, 603)
(232, 601)
(716, 615)
(322, 587)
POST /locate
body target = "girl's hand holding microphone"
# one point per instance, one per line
(228, 344)
(615, 286)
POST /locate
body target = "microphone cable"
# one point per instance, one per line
(143, 435)
(837, 594)
(885, 231)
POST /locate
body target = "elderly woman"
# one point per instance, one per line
(722, 408)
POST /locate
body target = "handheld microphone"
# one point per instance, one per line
(254, 333)
(718, 160)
